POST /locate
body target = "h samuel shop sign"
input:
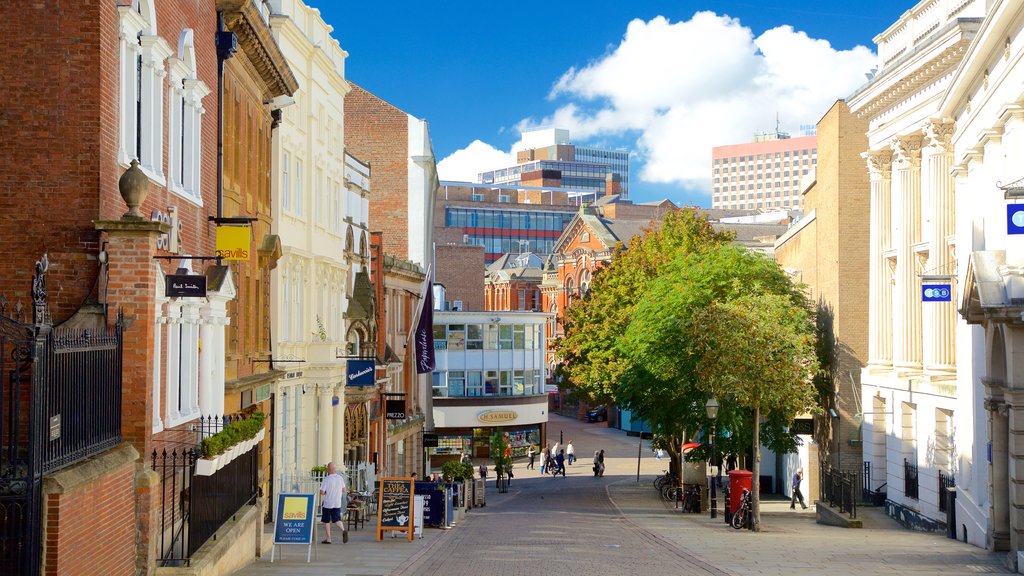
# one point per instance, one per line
(497, 416)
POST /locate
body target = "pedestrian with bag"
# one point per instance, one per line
(334, 497)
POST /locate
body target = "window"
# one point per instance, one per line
(298, 187)
(474, 337)
(474, 384)
(286, 181)
(318, 185)
(186, 115)
(456, 384)
(141, 74)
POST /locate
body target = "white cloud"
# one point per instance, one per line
(464, 165)
(670, 91)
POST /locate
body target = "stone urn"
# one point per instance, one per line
(134, 186)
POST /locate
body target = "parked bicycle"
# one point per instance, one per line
(691, 498)
(741, 518)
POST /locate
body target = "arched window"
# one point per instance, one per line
(141, 73)
(355, 341)
(570, 291)
(349, 241)
(584, 282)
(186, 114)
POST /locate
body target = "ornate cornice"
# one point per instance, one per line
(944, 62)
(254, 37)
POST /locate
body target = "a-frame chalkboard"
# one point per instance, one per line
(395, 505)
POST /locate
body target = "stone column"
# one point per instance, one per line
(880, 308)
(939, 320)
(326, 424)
(206, 363)
(339, 425)
(906, 197)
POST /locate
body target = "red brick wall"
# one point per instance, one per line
(90, 529)
(461, 270)
(378, 133)
(60, 120)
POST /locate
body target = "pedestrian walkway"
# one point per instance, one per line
(582, 525)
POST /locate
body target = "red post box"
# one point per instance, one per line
(738, 480)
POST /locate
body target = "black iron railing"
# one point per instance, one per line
(209, 425)
(910, 479)
(193, 507)
(82, 396)
(840, 489)
(945, 483)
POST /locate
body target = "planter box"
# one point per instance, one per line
(205, 467)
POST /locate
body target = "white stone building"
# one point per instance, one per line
(918, 408)
(320, 210)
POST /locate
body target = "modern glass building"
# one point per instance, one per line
(504, 231)
(489, 378)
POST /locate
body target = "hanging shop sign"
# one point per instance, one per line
(1015, 218)
(233, 242)
(429, 440)
(185, 286)
(497, 416)
(359, 373)
(936, 292)
(394, 409)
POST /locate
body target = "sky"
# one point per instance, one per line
(665, 80)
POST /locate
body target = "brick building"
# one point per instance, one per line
(120, 82)
(512, 282)
(827, 250)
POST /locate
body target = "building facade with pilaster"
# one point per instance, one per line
(311, 282)
(920, 423)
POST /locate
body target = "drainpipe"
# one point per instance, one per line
(227, 45)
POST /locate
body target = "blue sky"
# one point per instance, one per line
(666, 80)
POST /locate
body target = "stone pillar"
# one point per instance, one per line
(906, 198)
(131, 288)
(326, 425)
(338, 453)
(939, 320)
(880, 309)
(206, 364)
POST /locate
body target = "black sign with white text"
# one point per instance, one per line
(394, 409)
(186, 286)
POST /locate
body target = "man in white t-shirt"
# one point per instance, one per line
(334, 494)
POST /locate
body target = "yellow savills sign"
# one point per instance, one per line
(233, 242)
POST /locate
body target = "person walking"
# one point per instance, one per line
(333, 492)
(597, 462)
(600, 462)
(560, 461)
(798, 477)
(532, 453)
(543, 459)
(483, 472)
(570, 452)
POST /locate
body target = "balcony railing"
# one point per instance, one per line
(945, 483)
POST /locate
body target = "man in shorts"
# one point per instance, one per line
(334, 493)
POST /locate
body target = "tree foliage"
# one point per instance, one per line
(589, 351)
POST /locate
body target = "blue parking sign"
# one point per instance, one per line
(1015, 218)
(936, 293)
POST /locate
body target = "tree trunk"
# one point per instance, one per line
(755, 481)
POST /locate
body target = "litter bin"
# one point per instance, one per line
(738, 480)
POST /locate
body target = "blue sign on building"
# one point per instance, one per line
(936, 293)
(1015, 218)
(360, 373)
(295, 519)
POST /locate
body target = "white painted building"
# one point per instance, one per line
(919, 408)
(489, 377)
(320, 210)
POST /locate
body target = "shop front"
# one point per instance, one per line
(465, 425)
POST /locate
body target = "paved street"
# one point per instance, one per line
(612, 525)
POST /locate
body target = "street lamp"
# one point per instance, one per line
(712, 410)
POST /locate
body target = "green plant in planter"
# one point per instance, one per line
(319, 470)
(467, 471)
(232, 434)
(453, 470)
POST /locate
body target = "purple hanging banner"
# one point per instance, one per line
(425, 334)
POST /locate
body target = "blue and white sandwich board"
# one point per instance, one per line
(295, 522)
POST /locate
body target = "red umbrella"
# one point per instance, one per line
(690, 446)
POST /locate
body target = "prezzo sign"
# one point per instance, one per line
(394, 409)
(497, 416)
(359, 373)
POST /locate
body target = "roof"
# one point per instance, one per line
(752, 233)
(360, 305)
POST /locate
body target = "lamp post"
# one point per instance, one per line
(711, 407)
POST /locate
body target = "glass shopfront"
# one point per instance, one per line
(477, 441)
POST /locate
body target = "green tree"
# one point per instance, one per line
(757, 351)
(663, 382)
(589, 351)
(501, 462)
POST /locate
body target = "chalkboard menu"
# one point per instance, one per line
(395, 506)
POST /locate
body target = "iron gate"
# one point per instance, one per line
(60, 402)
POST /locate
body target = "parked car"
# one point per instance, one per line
(599, 414)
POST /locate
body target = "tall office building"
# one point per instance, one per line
(763, 174)
(550, 160)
